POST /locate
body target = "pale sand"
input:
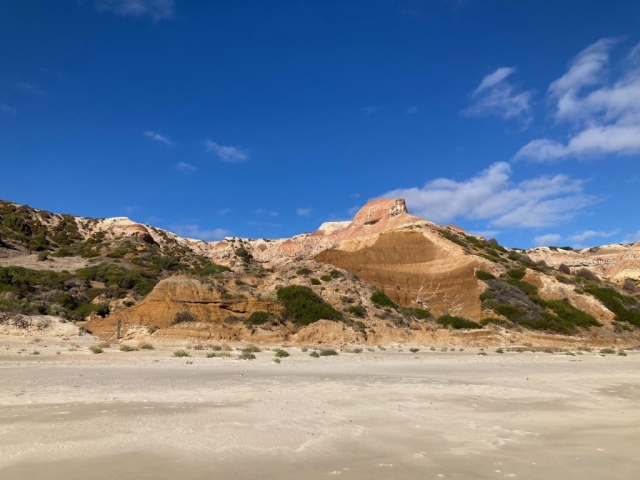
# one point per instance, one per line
(377, 415)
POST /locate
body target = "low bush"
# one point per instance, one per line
(96, 349)
(457, 323)
(246, 356)
(414, 350)
(145, 346)
(257, 318)
(183, 316)
(625, 307)
(482, 275)
(357, 311)
(328, 352)
(516, 273)
(304, 306)
(326, 278)
(315, 281)
(314, 354)
(335, 273)
(304, 271)
(379, 298)
(213, 269)
(280, 353)
(496, 321)
(418, 313)
(127, 348)
(181, 353)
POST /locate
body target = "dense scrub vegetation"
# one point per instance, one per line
(303, 306)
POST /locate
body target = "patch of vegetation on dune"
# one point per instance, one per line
(303, 306)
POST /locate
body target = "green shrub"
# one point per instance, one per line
(251, 349)
(414, 350)
(280, 353)
(118, 276)
(496, 321)
(335, 273)
(563, 279)
(213, 269)
(418, 313)
(85, 309)
(304, 306)
(181, 353)
(325, 278)
(607, 351)
(244, 254)
(315, 281)
(482, 275)
(257, 318)
(246, 356)
(457, 323)
(358, 311)
(304, 271)
(145, 346)
(624, 307)
(42, 256)
(516, 273)
(327, 352)
(566, 311)
(526, 287)
(314, 354)
(379, 298)
(487, 295)
(183, 316)
(127, 348)
(95, 349)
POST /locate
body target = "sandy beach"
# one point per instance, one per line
(375, 415)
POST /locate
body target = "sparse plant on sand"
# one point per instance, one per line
(127, 348)
(414, 350)
(607, 351)
(96, 349)
(145, 346)
(328, 352)
(280, 353)
(499, 350)
(246, 356)
(181, 353)
(314, 354)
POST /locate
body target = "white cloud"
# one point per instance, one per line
(193, 230)
(226, 154)
(547, 239)
(131, 209)
(224, 211)
(587, 234)
(157, 137)
(185, 168)
(413, 110)
(303, 212)
(263, 211)
(632, 238)
(370, 109)
(7, 109)
(496, 96)
(604, 119)
(155, 9)
(493, 197)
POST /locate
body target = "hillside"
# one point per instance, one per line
(386, 276)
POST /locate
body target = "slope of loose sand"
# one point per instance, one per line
(377, 415)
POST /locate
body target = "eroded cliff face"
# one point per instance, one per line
(414, 270)
(612, 262)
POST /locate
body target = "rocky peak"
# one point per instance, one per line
(380, 209)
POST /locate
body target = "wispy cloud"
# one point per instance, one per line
(193, 230)
(303, 212)
(496, 96)
(494, 197)
(155, 9)
(226, 153)
(131, 208)
(604, 117)
(547, 239)
(370, 109)
(157, 137)
(7, 110)
(587, 234)
(632, 238)
(185, 168)
(224, 211)
(31, 88)
(413, 110)
(264, 211)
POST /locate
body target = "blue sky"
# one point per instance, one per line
(519, 120)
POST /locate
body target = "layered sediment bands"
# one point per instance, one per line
(412, 269)
(176, 294)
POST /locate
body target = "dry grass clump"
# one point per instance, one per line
(145, 346)
(127, 348)
(181, 353)
(96, 349)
